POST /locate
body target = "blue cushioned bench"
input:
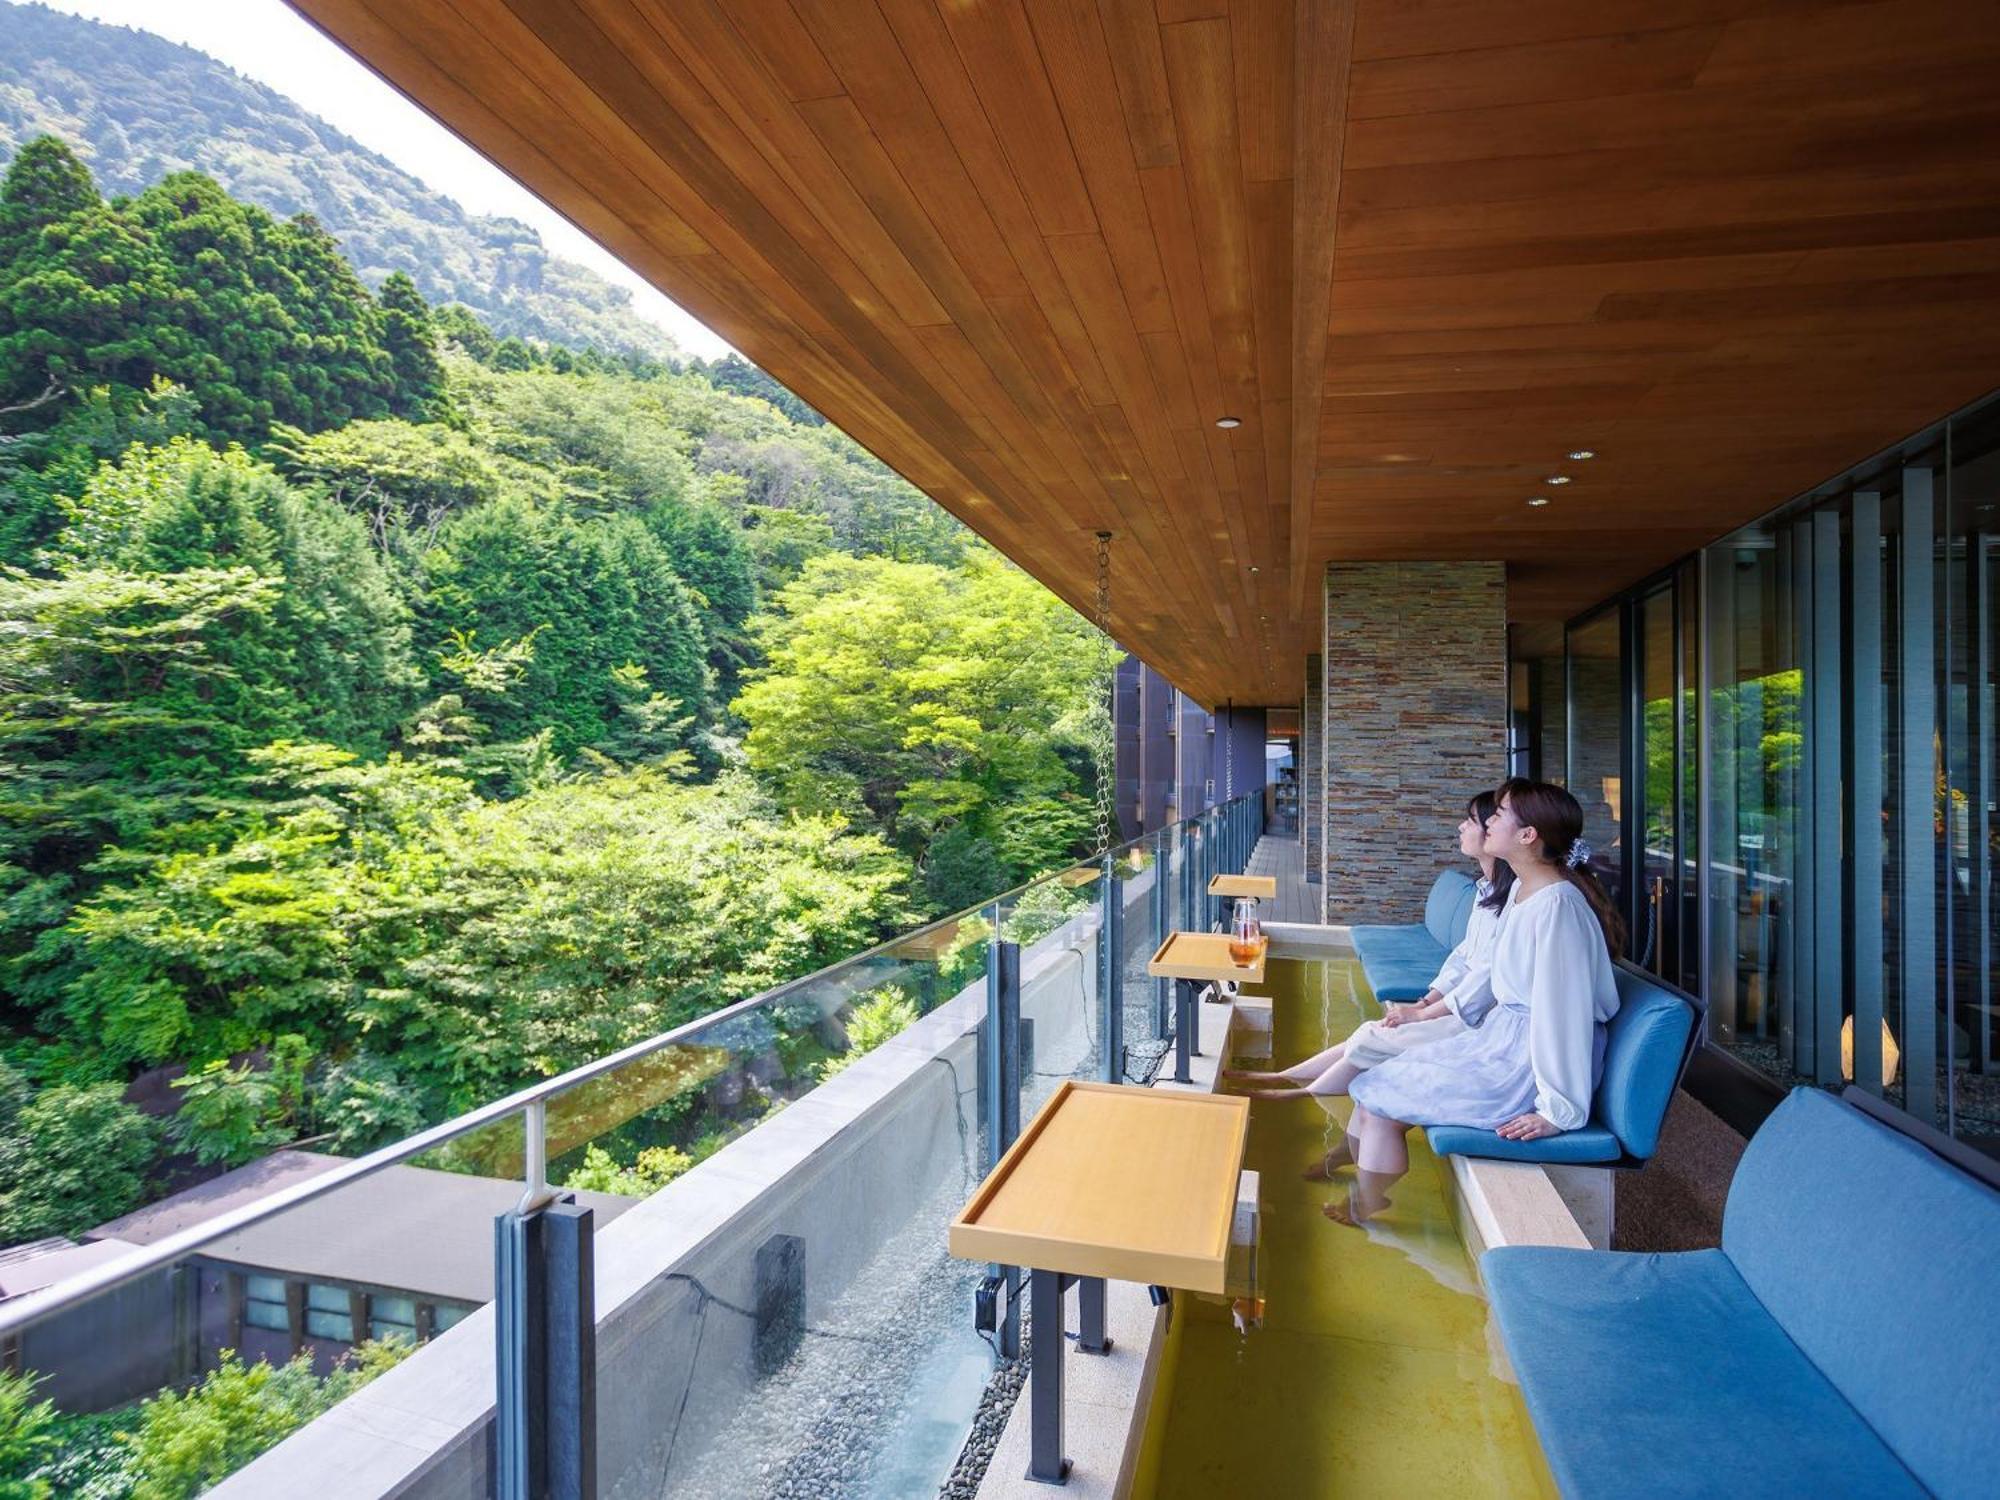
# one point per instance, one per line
(1401, 961)
(1647, 1047)
(1845, 1340)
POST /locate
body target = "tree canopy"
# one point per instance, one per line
(392, 712)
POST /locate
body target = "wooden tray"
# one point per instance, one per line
(1259, 887)
(1203, 955)
(1134, 1184)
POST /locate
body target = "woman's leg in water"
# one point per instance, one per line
(1381, 1157)
(1301, 1072)
(1342, 1155)
(1333, 1081)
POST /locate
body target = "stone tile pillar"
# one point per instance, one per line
(1415, 687)
(1312, 769)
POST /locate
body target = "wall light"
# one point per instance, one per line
(1891, 1053)
(1225, 423)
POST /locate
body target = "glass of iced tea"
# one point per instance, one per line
(1246, 937)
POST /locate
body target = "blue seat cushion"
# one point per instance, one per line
(1400, 962)
(1593, 1143)
(1662, 1376)
(1882, 1262)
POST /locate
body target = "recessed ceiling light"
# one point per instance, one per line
(1225, 423)
(1538, 500)
(1557, 479)
(1253, 568)
(1578, 455)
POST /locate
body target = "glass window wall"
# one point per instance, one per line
(1848, 656)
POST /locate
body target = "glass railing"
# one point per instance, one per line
(775, 1309)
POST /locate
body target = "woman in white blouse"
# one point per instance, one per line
(1531, 1068)
(1458, 998)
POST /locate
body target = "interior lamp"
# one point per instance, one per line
(1891, 1054)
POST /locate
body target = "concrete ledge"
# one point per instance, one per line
(1308, 940)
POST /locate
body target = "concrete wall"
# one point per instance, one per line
(1312, 771)
(1415, 721)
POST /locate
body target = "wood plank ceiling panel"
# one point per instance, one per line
(1030, 251)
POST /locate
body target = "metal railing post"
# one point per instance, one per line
(545, 1336)
(1161, 852)
(1004, 1019)
(990, 1052)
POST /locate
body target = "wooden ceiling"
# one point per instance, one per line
(1029, 251)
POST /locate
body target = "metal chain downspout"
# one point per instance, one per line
(1102, 743)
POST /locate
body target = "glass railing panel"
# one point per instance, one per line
(781, 1316)
(778, 1312)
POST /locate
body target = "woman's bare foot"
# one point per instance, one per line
(1251, 1075)
(1323, 1171)
(1351, 1212)
(1340, 1156)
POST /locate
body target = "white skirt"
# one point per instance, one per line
(1373, 1044)
(1481, 1078)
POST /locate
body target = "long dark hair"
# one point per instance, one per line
(1481, 809)
(1557, 819)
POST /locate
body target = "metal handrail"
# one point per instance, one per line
(34, 1307)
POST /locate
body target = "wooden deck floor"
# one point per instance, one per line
(1285, 859)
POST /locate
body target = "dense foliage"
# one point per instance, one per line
(138, 107)
(177, 1444)
(392, 712)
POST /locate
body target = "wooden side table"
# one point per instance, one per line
(1107, 1181)
(1192, 959)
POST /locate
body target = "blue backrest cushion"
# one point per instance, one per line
(1881, 1261)
(1461, 918)
(1643, 1046)
(1448, 905)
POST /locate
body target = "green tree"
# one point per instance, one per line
(28, 1437)
(405, 479)
(782, 542)
(71, 1157)
(262, 320)
(595, 596)
(330, 658)
(651, 1170)
(479, 943)
(45, 184)
(411, 344)
(187, 1442)
(926, 698)
(231, 1114)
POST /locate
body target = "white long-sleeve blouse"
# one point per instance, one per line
(1464, 981)
(1549, 958)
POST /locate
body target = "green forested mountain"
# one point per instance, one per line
(138, 108)
(391, 712)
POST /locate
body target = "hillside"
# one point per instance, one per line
(137, 107)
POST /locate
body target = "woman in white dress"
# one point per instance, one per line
(1531, 1067)
(1458, 997)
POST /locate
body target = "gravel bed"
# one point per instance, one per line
(882, 1382)
(1009, 1377)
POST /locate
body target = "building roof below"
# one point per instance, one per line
(409, 1229)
